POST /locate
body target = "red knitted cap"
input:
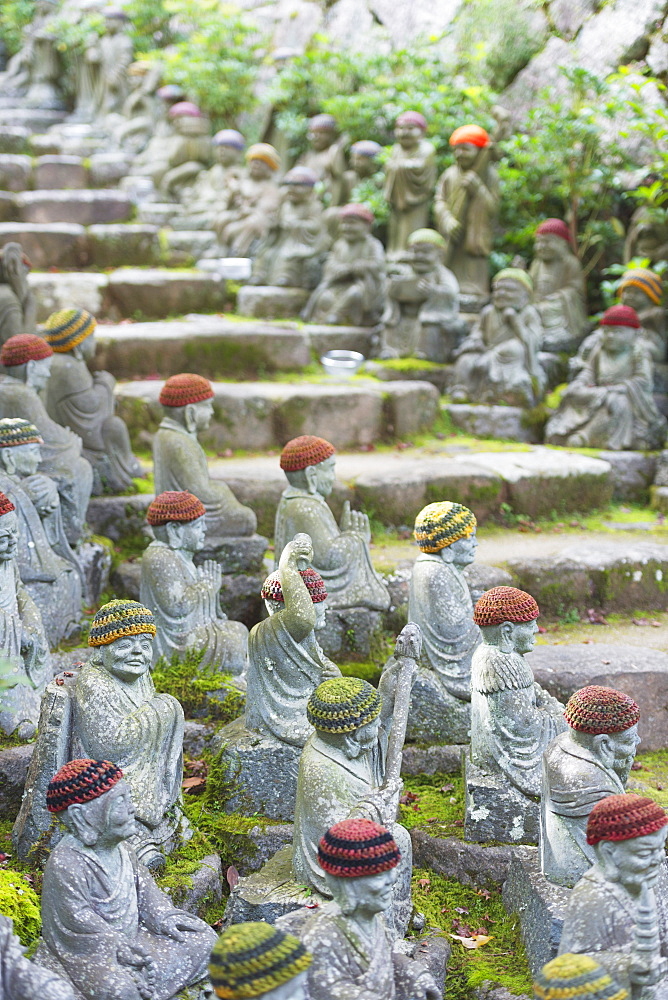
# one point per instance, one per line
(353, 211)
(181, 390)
(556, 227)
(620, 316)
(6, 505)
(623, 817)
(80, 781)
(595, 709)
(505, 604)
(357, 847)
(412, 118)
(174, 505)
(22, 348)
(272, 591)
(304, 451)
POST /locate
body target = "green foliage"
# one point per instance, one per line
(19, 901)
(14, 16)
(201, 692)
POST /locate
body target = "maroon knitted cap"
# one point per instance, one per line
(595, 709)
(505, 604)
(173, 505)
(620, 316)
(80, 781)
(354, 211)
(304, 451)
(357, 847)
(412, 118)
(185, 109)
(623, 817)
(272, 591)
(6, 505)
(181, 390)
(556, 227)
(22, 348)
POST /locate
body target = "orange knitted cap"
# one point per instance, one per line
(505, 604)
(181, 390)
(623, 817)
(174, 505)
(24, 347)
(595, 709)
(474, 134)
(304, 451)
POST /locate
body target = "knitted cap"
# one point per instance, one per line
(426, 236)
(322, 123)
(301, 175)
(342, 705)
(440, 524)
(555, 227)
(623, 817)
(643, 278)
(354, 211)
(413, 118)
(182, 390)
(80, 781)
(251, 959)
(263, 151)
(118, 619)
(229, 137)
(171, 92)
(24, 347)
(366, 147)
(173, 505)
(272, 590)
(620, 316)
(185, 109)
(65, 329)
(505, 604)
(357, 847)
(304, 451)
(15, 431)
(597, 710)
(6, 505)
(515, 274)
(576, 977)
(474, 134)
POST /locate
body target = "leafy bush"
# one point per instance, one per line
(14, 15)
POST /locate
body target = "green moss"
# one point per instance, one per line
(145, 485)
(19, 901)
(201, 692)
(367, 670)
(651, 779)
(434, 803)
(409, 365)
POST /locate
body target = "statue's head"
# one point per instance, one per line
(115, 20)
(448, 529)
(426, 247)
(262, 160)
(466, 142)
(178, 520)
(272, 594)
(258, 960)
(578, 977)
(512, 288)
(409, 128)
(507, 618)
(364, 157)
(94, 802)
(188, 399)
(188, 120)
(345, 712)
(605, 721)
(71, 331)
(360, 861)
(27, 358)
(553, 240)
(20, 442)
(640, 288)
(628, 834)
(308, 463)
(229, 145)
(322, 132)
(299, 184)
(122, 633)
(355, 222)
(14, 265)
(170, 94)
(9, 529)
(619, 328)
(650, 234)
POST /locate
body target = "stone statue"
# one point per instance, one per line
(559, 288)
(21, 979)
(340, 554)
(84, 401)
(18, 306)
(241, 227)
(291, 253)
(513, 719)
(326, 157)
(579, 977)
(581, 766)
(498, 362)
(466, 206)
(161, 128)
(364, 165)
(185, 598)
(114, 56)
(27, 362)
(410, 176)
(180, 157)
(642, 290)
(106, 926)
(422, 315)
(352, 289)
(353, 955)
(646, 238)
(180, 463)
(279, 966)
(35, 71)
(215, 189)
(618, 911)
(140, 107)
(609, 404)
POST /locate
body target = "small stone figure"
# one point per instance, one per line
(114, 55)
(588, 762)
(185, 598)
(618, 911)
(609, 404)
(498, 362)
(18, 306)
(363, 165)
(410, 176)
(578, 977)
(422, 317)
(340, 554)
(214, 189)
(246, 222)
(84, 401)
(180, 463)
(466, 206)
(647, 237)
(326, 157)
(559, 288)
(106, 926)
(352, 289)
(181, 156)
(161, 129)
(353, 955)
(277, 970)
(21, 979)
(35, 71)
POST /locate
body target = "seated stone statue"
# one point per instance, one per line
(352, 289)
(559, 287)
(647, 237)
(114, 56)
(498, 361)
(18, 306)
(21, 979)
(340, 554)
(279, 966)
(84, 401)
(325, 156)
(618, 911)
(27, 363)
(161, 128)
(106, 926)
(364, 165)
(243, 225)
(353, 954)
(422, 315)
(184, 598)
(588, 762)
(410, 177)
(579, 977)
(291, 253)
(180, 463)
(609, 403)
(214, 189)
(181, 156)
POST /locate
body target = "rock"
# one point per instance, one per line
(83, 207)
(632, 474)
(659, 498)
(269, 893)
(14, 763)
(96, 561)
(543, 71)
(539, 905)
(14, 139)
(405, 21)
(118, 517)
(481, 578)
(433, 718)
(237, 554)
(410, 407)
(496, 810)
(348, 634)
(201, 889)
(490, 991)
(8, 208)
(121, 244)
(157, 292)
(470, 864)
(125, 579)
(33, 119)
(197, 738)
(431, 760)
(107, 169)
(56, 172)
(15, 171)
(56, 244)
(492, 421)
(268, 302)
(568, 16)
(619, 33)
(186, 247)
(240, 596)
(266, 840)
(53, 292)
(657, 57)
(339, 338)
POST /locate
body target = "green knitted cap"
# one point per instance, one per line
(514, 274)
(251, 959)
(342, 705)
(426, 236)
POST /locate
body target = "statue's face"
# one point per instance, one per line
(425, 257)
(462, 552)
(37, 373)
(635, 298)
(649, 239)
(113, 25)
(128, 658)
(523, 636)
(258, 170)
(368, 894)
(548, 247)
(509, 294)
(321, 139)
(88, 347)
(618, 339)
(320, 615)
(363, 739)
(9, 536)
(118, 813)
(202, 414)
(227, 156)
(298, 194)
(364, 166)
(624, 746)
(632, 862)
(465, 153)
(190, 125)
(190, 535)
(408, 136)
(325, 476)
(353, 230)
(26, 459)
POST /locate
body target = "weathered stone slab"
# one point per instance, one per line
(83, 207)
(56, 172)
(432, 718)
(15, 171)
(197, 737)
(470, 864)
(340, 338)
(617, 34)
(632, 474)
(14, 138)
(431, 760)
(480, 578)
(54, 244)
(118, 517)
(201, 889)
(269, 893)
(14, 764)
(237, 554)
(348, 634)
(67, 290)
(410, 407)
(497, 811)
(436, 374)
(269, 302)
(154, 293)
(107, 169)
(506, 422)
(8, 207)
(659, 498)
(539, 905)
(116, 245)
(186, 247)
(32, 119)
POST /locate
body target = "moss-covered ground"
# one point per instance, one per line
(434, 803)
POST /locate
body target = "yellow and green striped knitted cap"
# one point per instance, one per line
(118, 619)
(576, 977)
(342, 705)
(440, 524)
(65, 329)
(251, 959)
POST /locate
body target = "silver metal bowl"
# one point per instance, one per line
(341, 364)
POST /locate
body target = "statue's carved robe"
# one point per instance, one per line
(470, 258)
(21, 979)
(329, 166)
(11, 314)
(411, 308)
(211, 193)
(352, 290)
(246, 222)
(21, 621)
(115, 57)
(559, 296)
(410, 177)
(292, 252)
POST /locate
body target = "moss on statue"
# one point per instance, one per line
(19, 901)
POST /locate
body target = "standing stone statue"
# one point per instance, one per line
(180, 157)
(559, 288)
(364, 165)
(588, 762)
(161, 128)
(214, 189)
(114, 55)
(579, 977)
(35, 72)
(439, 601)
(106, 926)
(277, 971)
(185, 598)
(410, 176)
(326, 157)
(21, 979)
(243, 225)
(647, 237)
(18, 306)
(352, 289)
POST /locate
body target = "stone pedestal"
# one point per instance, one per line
(269, 893)
(348, 633)
(496, 810)
(539, 905)
(271, 302)
(482, 420)
(435, 716)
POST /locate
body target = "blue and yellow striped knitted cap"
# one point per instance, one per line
(67, 328)
(118, 619)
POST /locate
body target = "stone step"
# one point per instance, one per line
(85, 207)
(61, 244)
(34, 120)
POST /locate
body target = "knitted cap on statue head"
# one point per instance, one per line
(68, 328)
(576, 977)
(174, 505)
(342, 705)
(272, 590)
(440, 524)
(555, 227)
(597, 710)
(647, 281)
(505, 604)
(303, 451)
(357, 847)
(623, 817)
(80, 781)
(251, 959)
(413, 119)
(15, 431)
(181, 390)
(119, 619)
(22, 348)
(620, 316)
(473, 134)
(6, 505)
